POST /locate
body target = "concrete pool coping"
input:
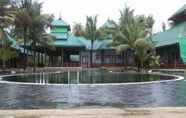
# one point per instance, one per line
(177, 78)
(167, 112)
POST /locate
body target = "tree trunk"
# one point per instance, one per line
(141, 65)
(126, 55)
(24, 51)
(4, 64)
(34, 67)
(91, 54)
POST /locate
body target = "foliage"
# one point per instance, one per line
(152, 61)
(142, 51)
(107, 30)
(134, 32)
(7, 17)
(5, 51)
(91, 28)
(78, 29)
(91, 32)
(31, 25)
(7, 54)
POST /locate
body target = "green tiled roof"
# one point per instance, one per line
(72, 41)
(109, 24)
(181, 10)
(60, 35)
(182, 46)
(14, 43)
(170, 36)
(59, 23)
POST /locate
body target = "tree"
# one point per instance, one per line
(30, 25)
(78, 29)
(22, 23)
(40, 22)
(6, 54)
(134, 32)
(106, 32)
(142, 54)
(91, 33)
(7, 17)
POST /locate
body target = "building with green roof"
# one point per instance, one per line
(71, 50)
(68, 50)
(171, 44)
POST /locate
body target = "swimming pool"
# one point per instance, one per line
(92, 88)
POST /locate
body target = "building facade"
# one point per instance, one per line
(75, 51)
(171, 44)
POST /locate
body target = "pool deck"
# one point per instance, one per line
(98, 113)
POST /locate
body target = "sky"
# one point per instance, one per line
(73, 11)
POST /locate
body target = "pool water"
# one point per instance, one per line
(86, 77)
(32, 96)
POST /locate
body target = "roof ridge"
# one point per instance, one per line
(182, 9)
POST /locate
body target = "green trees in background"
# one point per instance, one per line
(7, 17)
(23, 23)
(134, 32)
(107, 30)
(78, 29)
(92, 33)
(31, 25)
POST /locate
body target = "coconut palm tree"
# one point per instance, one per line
(134, 33)
(6, 53)
(30, 25)
(142, 48)
(91, 32)
(22, 23)
(37, 32)
(7, 17)
(78, 29)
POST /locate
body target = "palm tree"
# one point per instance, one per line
(131, 31)
(6, 53)
(142, 48)
(127, 32)
(37, 32)
(22, 23)
(78, 29)
(91, 33)
(30, 25)
(7, 17)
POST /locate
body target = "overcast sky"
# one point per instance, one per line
(77, 10)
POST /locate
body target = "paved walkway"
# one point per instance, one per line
(97, 113)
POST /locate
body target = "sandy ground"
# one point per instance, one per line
(97, 113)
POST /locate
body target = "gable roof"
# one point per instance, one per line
(13, 42)
(181, 10)
(71, 41)
(171, 36)
(109, 24)
(59, 36)
(59, 23)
